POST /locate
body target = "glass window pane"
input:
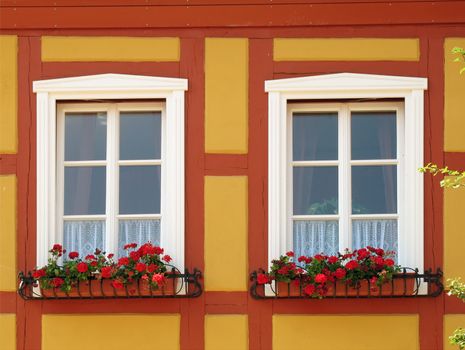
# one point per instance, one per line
(85, 136)
(315, 190)
(85, 190)
(83, 236)
(138, 231)
(374, 189)
(139, 189)
(313, 237)
(374, 135)
(140, 135)
(377, 233)
(314, 136)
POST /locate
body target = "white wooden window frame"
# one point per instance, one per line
(344, 164)
(338, 87)
(111, 164)
(111, 87)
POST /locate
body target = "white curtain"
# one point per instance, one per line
(83, 236)
(313, 237)
(138, 231)
(375, 233)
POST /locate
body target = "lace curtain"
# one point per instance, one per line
(83, 236)
(138, 231)
(313, 237)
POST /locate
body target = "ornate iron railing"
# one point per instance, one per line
(407, 284)
(178, 285)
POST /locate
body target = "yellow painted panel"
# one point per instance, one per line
(454, 238)
(8, 93)
(354, 49)
(226, 233)
(111, 49)
(452, 322)
(354, 332)
(226, 95)
(454, 98)
(8, 233)
(8, 331)
(226, 332)
(116, 332)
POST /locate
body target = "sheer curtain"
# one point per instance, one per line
(83, 236)
(138, 231)
(313, 237)
(376, 233)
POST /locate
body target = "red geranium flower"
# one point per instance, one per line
(38, 273)
(123, 261)
(167, 258)
(111, 255)
(290, 254)
(340, 273)
(134, 256)
(321, 278)
(332, 259)
(130, 245)
(152, 267)
(90, 257)
(57, 281)
(141, 267)
(117, 284)
(158, 278)
(73, 255)
(262, 278)
(389, 262)
(82, 267)
(353, 264)
(106, 272)
(309, 289)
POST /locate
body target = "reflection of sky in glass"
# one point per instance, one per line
(140, 135)
(139, 189)
(314, 136)
(374, 189)
(373, 135)
(85, 190)
(315, 190)
(85, 136)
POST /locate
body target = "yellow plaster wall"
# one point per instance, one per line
(8, 233)
(454, 237)
(354, 332)
(226, 332)
(114, 49)
(353, 49)
(116, 332)
(454, 98)
(225, 233)
(452, 322)
(226, 95)
(8, 93)
(8, 331)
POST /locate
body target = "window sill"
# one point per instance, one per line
(407, 284)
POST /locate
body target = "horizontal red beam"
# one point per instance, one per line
(7, 164)
(455, 160)
(180, 16)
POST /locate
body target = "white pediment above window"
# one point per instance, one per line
(345, 82)
(110, 82)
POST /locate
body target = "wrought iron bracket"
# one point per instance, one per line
(181, 285)
(407, 284)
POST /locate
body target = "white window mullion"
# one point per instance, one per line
(60, 176)
(111, 240)
(344, 179)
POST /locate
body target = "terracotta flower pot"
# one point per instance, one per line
(291, 289)
(336, 288)
(101, 287)
(399, 287)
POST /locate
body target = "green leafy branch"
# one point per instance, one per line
(461, 56)
(453, 179)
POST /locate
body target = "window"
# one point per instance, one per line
(110, 173)
(343, 174)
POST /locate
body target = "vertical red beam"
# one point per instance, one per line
(28, 325)
(192, 68)
(432, 311)
(260, 69)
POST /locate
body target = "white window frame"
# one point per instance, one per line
(338, 87)
(111, 87)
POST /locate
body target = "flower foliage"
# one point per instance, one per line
(145, 263)
(319, 272)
